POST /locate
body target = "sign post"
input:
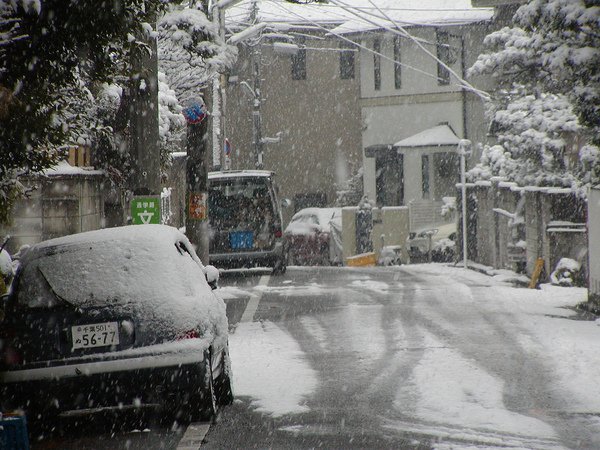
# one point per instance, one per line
(145, 210)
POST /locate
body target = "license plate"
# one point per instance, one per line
(95, 335)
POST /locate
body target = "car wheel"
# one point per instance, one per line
(224, 387)
(280, 266)
(208, 409)
(201, 404)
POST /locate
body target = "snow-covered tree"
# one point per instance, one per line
(64, 78)
(547, 67)
(52, 53)
(350, 192)
(190, 51)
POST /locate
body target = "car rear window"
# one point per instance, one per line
(238, 200)
(107, 273)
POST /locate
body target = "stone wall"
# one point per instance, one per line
(57, 205)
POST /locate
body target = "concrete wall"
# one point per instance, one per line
(59, 205)
(594, 244)
(390, 227)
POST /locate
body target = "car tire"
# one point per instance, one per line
(208, 408)
(201, 404)
(280, 266)
(224, 387)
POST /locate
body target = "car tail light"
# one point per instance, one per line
(191, 334)
(10, 355)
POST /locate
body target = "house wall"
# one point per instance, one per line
(319, 119)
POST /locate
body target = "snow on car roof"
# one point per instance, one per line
(240, 174)
(138, 267)
(323, 215)
(130, 233)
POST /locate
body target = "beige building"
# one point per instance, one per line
(310, 115)
(337, 105)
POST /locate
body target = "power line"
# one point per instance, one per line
(401, 31)
(344, 38)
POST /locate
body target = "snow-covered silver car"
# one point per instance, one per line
(119, 318)
(432, 244)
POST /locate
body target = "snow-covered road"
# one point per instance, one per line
(449, 356)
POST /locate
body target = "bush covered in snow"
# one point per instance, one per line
(567, 273)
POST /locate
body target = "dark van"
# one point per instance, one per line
(245, 220)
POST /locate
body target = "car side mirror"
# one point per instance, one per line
(212, 276)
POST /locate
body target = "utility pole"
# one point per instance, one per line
(144, 181)
(197, 164)
(216, 11)
(464, 147)
(256, 116)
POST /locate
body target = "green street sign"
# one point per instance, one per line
(145, 210)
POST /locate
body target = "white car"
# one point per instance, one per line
(436, 244)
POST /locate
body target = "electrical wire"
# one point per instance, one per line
(344, 38)
(402, 32)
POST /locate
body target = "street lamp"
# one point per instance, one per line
(464, 149)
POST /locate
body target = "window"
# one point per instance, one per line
(443, 54)
(397, 66)
(299, 63)
(425, 175)
(377, 64)
(346, 61)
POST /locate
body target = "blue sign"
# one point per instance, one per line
(195, 113)
(227, 148)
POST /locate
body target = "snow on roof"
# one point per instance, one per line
(408, 13)
(439, 135)
(340, 14)
(239, 174)
(64, 168)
